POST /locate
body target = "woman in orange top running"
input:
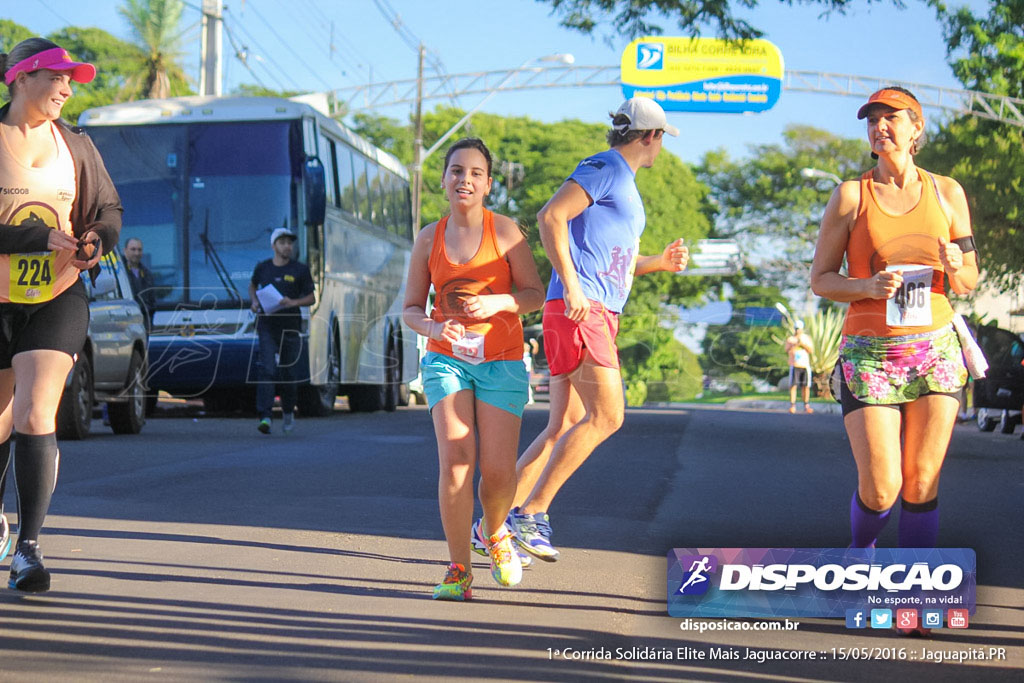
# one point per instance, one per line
(903, 231)
(484, 278)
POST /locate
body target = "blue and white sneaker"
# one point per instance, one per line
(481, 549)
(533, 534)
(27, 571)
(5, 537)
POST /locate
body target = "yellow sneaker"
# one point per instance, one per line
(456, 584)
(506, 567)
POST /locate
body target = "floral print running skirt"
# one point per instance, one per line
(890, 370)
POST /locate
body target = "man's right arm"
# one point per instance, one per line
(553, 224)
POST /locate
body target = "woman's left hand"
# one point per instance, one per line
(951, 256)
(482, 306)
(87, 241)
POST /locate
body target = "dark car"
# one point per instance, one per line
(999, 396)
(111, 367)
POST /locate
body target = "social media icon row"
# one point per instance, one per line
(905, 618)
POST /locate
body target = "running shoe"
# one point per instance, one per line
(533, 534)
(27, 571)
(808, 409)
(792, 408)
(5, 537)
(505, 566)
(264, 425)
(480, 548)
(456, 584)
(288, 424)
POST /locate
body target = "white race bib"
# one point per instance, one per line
(911, 305)
(470, 348)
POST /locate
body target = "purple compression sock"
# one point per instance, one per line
(865, 523)
(919, 524)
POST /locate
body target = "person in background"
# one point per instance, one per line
(799, 348)
(279, 330)
(141, 279)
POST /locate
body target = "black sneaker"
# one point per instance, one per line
(27, 571)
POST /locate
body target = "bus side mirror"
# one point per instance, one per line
(314, 180)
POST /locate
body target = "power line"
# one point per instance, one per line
(273, 31)
(414, 43)
(262, 50)
(243, 55)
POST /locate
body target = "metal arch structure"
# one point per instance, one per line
(375, 95)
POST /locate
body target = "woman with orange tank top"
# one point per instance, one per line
(484, 277)
(904, 232)
(59, 213)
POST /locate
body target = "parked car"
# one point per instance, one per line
(112, 366)
(999, 396)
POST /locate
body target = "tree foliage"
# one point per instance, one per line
(636, 18)
(737, 348)
(986, 157)
(531, 161)
(155, 25)
(764, 202)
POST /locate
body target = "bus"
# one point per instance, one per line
(204, 181)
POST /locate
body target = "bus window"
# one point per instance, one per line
(393, 206)
(373, 180)
(327, 158)
(405, 199)
(346, 180)
(148, 163)
(359, 164)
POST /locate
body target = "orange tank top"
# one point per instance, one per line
(879, 240)
(31, 195)
(488, 272)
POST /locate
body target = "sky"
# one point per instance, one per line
(289, 43)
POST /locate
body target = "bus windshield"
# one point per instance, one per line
(204, 198)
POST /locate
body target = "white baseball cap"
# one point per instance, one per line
(799, 324)
(281, 232)
(644, 114)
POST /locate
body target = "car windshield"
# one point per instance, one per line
(203, 198)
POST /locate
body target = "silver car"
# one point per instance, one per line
(112, 366)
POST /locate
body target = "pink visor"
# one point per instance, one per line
(57, 59)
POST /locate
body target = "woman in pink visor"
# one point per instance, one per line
(59, 213)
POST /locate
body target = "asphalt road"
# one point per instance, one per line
(202, 550)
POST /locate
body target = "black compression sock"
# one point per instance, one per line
(35, 472)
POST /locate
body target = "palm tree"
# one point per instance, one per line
(825, 328)
(155, 28)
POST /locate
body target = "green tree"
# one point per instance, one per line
(740, 351)
(636, 18)
(986, 157)
(155, 25)
(765, 203)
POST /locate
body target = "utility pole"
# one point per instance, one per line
(417, 148)
(210, 48)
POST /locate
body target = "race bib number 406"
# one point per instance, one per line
(911, 306)
(32, 277)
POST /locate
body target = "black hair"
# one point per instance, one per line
(22, 51)
(467, 143)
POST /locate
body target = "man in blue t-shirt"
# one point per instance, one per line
(286, 285)
(591, 232)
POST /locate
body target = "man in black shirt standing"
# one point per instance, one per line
(279, 328)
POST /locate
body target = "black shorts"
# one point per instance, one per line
(60, 324)
(799, 377)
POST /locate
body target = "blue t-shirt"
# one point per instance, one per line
(604, 240)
